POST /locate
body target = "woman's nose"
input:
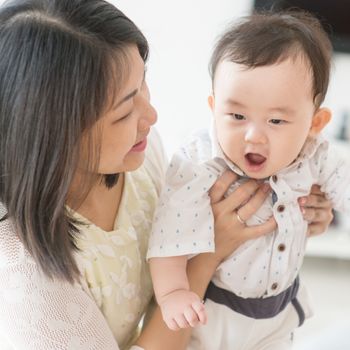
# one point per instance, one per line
(148, 117)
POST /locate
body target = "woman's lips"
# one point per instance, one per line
(140, 146)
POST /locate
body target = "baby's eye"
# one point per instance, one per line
(238, 116)
(277, 121)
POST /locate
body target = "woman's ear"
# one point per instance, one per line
(211, 102)
(320, 119)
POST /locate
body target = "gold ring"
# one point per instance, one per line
(240, 219)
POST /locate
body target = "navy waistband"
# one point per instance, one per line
(258, 308)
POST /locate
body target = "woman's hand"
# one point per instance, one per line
(317, 210)
(230, 213)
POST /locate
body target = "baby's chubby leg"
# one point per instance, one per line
(181, 308)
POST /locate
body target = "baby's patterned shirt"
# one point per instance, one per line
(184, 223)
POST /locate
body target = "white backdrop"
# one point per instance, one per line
(181, 35)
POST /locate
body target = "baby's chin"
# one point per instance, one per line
(255, 176)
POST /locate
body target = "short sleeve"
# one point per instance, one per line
(184, 223)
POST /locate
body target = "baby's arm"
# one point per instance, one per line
(180, 307)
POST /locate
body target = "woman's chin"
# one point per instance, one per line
(133, 161)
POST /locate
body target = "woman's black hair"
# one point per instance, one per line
(59, 60)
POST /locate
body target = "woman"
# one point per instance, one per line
(80, 173)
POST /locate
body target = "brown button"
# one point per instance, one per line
(274, 178)
(274, 286)
(280, 208)
(282, 247)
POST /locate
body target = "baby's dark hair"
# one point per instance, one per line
(267, 38)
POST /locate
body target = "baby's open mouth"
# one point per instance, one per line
(255, 158)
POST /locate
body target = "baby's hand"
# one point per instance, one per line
(181, 309)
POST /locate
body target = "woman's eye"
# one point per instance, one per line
(238, 116)
(122, 118)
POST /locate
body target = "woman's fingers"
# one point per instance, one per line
(261, 229)
(319, 220)
(254, 203)
(311, 214)
(239, 196)
(316, 189)
(316, 229)
(317, 210)
(316, 199)
(221, 186)
(230, 232)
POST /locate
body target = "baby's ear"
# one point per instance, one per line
(211, 102)
(320, 119)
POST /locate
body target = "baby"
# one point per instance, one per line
(270, 74)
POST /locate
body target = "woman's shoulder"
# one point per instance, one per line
(12, 251)
(30, 299)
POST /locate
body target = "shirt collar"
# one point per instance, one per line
(311, 146)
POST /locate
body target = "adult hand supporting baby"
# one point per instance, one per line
(230, 232)
(230, 211)
(317, 210)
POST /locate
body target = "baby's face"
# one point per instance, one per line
(263, 115)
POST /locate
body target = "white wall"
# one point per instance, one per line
(338, 97)
(181, 34)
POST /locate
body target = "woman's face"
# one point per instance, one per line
(126, 125)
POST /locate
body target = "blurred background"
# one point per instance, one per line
(181, 34)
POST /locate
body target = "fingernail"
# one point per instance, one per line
(302, 200)
(303, 210)
(265, 187)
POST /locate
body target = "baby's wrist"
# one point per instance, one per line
(165, 297)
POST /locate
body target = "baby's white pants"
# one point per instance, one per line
(229, 330)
